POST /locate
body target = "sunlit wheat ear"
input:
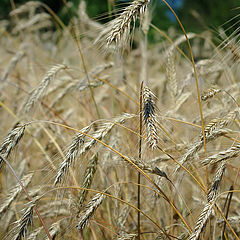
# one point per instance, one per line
(197, 146)
(219, 123)
(38, 92)
(149, 117)
(13, 193)
(89, 210)
(71, 155)
(11, 141)
(210, 93)
(21, 228)
(78, 149)
(87, 179)
(207, 210)
(171, 74)
(118, 30)
(224, 155)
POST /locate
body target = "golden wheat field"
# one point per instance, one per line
(105, 136)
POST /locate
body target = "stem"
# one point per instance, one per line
(140, 158)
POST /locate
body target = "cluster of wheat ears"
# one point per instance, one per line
(102, 140)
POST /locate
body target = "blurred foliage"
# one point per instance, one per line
(195, 15)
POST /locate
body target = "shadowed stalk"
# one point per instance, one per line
(140, 158)
(230, 194)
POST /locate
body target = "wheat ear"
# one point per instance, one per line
(224, 155)
(11, 141)
(149, 117)
(37, 93)
(118, 30)
(207, 210)
(210, 93)
(88, 178)
(22, 224)
(13, 193)
(89, 210)
(71, 155)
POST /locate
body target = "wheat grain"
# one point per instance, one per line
(195, 147)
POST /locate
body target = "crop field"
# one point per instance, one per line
(106, 135)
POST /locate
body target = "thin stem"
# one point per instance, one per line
(140, 158)
(195, 74)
